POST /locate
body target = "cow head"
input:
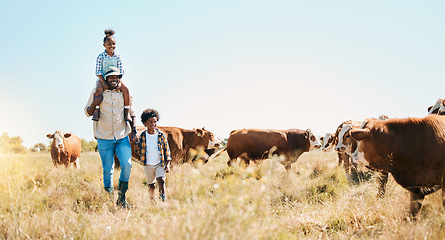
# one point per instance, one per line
(435, 108)
(58, 139)
(328, 139)
(370, 148)
(312, 140)
(441, 110)
(345, 141)
(207, 139)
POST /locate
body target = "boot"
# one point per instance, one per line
(121, 190)
(127, 115)
(110, 192)
(96, 114)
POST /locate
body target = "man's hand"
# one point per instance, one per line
(133, 138)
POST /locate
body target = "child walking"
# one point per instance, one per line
(154, 152)
(109, 58)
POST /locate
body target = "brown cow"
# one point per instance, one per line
(255, 144)
(65, 148)
(181, 141)
(411, 149)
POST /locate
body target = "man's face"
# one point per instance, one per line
(113, 81)
(151, 124)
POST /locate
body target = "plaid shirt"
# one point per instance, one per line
(108, 60)
(164, 150)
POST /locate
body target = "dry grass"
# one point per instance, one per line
(314, 200)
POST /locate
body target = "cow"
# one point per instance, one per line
(256, 144)
(435, 108)
(65, 148)
(438, 108)
(411, 149)
(328, 142)
(185, 145)
(346, 145)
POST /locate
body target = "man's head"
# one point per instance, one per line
(149, 118)
(113, 77)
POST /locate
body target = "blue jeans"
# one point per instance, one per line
(107, 149)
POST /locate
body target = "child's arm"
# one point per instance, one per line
(167, 155)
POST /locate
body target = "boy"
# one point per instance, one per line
(154, 152)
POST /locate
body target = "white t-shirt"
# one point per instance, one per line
(153, 157)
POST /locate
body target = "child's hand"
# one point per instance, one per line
(167, 167)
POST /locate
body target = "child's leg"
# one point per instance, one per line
(151, 191)
(150, 175)
(99, 90)
(126, 93)
(161, 185)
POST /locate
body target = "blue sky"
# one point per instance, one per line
(224, 65)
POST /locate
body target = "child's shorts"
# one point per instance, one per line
(152, 172)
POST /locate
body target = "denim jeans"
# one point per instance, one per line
(107, 149)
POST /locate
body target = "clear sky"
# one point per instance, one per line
(224, 65)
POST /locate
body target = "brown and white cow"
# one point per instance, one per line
(435, 108)
(438, 108)
(346, 145)
(182, 141)
(411, 149)
(255, 144)
(65, 148)
(328, 142)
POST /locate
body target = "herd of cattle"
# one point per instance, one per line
(411, 149)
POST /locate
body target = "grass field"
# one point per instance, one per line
(314, 200)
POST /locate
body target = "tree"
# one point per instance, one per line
(88, 146)
(39, 147)
(11, 144)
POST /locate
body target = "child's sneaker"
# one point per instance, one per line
(162, 197)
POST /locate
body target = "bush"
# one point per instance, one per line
(11, 144)
(90, 146)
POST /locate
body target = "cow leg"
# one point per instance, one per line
(345, 158)
(231, 162)
(76, 163)
(245, 160)
(340, 159)
(382, 179)
(416, 201)
(443, 188)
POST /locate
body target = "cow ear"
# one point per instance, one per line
(429, 108)
(360, 134)
(199, 132)
(50, 136)
(67, 135)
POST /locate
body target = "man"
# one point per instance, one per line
(113, 133)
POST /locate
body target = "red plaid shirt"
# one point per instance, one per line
(164, 150)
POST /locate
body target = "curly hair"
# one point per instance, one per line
(108, 34)
(148, 113)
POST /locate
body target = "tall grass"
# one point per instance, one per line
(314, 200)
